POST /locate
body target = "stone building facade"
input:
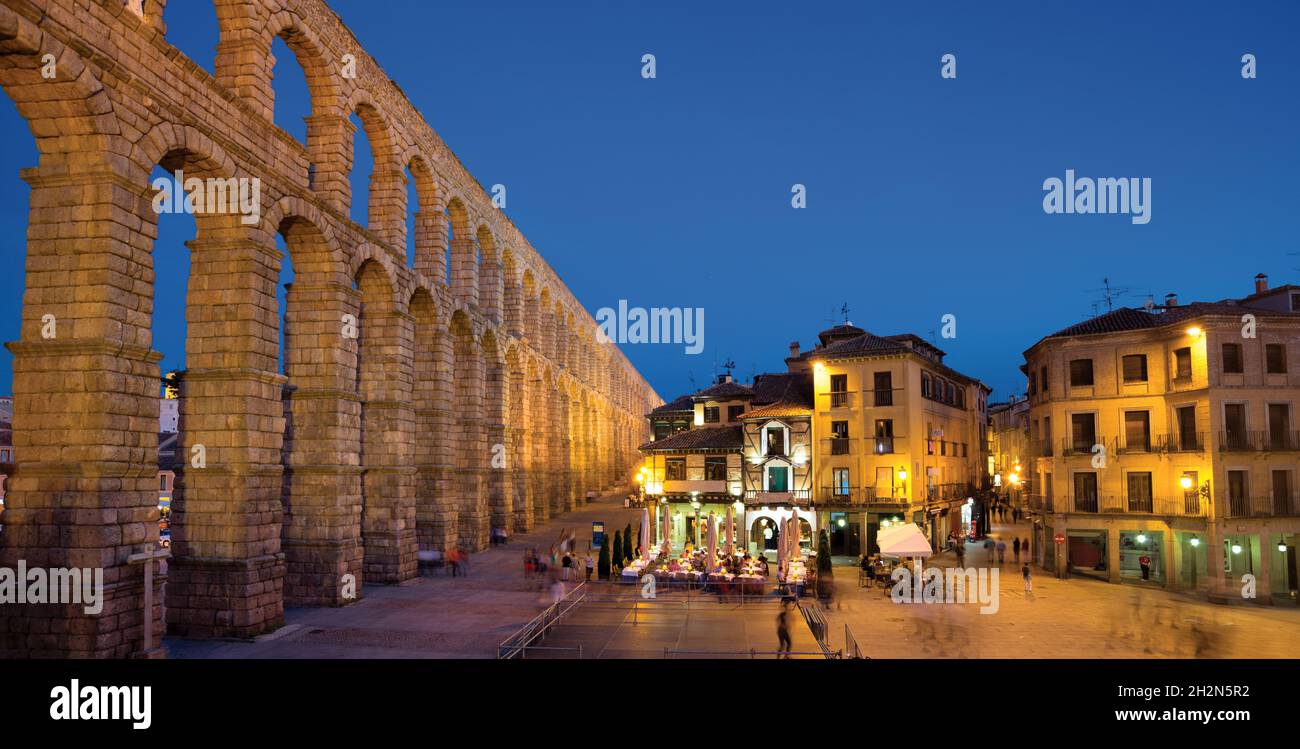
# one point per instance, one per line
(400, 377)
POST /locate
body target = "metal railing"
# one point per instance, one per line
(838, 445)
(1265, 506)
(1279, 440)
(817, 624)
(1071, 446)
(836, 399)
(1191, 442)
(752, 653)
(883, 445)
(851, 649)
(1187, 505)
(518, 643)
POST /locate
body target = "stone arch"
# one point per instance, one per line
(386, 202)
(531, 305)
(384, 385)
(463, 261)
(430, 245)
(490, 274)
(512, 304)
(471, 452)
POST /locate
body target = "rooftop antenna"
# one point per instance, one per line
(844, 310)
(1109, 294)
(729, 365)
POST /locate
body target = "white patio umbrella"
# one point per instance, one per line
(731, 533)
(782, 543)
(643, 546)
(903, 540)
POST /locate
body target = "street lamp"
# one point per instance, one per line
(1194, 541)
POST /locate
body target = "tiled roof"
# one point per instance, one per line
(779, 395)
(863, 344)
(724, 390)
(681, 403)
(703, 438)
(1126, 319)
(778, 411)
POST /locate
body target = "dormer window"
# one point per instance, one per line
(774, 439)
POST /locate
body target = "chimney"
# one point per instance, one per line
(1261, 283)
(794, 349)
(1171, 300)
(722, 378)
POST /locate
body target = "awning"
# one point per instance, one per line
(904, 540)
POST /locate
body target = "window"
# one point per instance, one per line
(943, 448)
(1183, 363)
(925, 385)
(777, 478)
(662, 429)
(1033, 383)
(884, 436)
(1234, 425)
(1295, 302)
(1139, 492)
(1279, 427)
(839, 438)
(1135, 368)
(840, 482)
(884, 389)
(1283, 502)
(1137, 431)
(715, 469)
(734, 412)
(839, 390)
(775, 440)
(1083, 432)
(929, 438)
(1085, 492)
(162, 477)
(1238, 499)
(947, 393)
(1232, 358)
(1043, 380)
(1275, 358)
(961, 398)
(711, 414)
(1187, 436)
(675, 469)
(1081, 373)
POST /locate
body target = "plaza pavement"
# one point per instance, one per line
(1070, 618)
(429, 617)
(466, 617)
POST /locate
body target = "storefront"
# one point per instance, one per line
(1141, 556)
(764, 526)
(876, 522)
(1193, 560)
(1087, 553)
(845, 530)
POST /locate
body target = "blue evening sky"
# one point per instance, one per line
(924, 194)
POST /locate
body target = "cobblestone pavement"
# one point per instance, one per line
(1072, 618)
(429, 617)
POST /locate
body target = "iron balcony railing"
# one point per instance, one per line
(940, 492)
(836, 399)
(1239, 506)
(838, 446)
(1185, 442)
(883, 445)
(1071, 446)
(882, 397)
(1189, 504)
(798, 495)
(1277, 440)
(1136, 443)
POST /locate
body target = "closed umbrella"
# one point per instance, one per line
(667, 543)
(713, 543)
(731, 534)
(794, 532)
(781, 543)
(643, 546)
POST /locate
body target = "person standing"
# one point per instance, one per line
(1015, 548)
(783, 630)
(591, 564)
(1145, 562)
(1002, 551)
(1029, 580)
(567, 563)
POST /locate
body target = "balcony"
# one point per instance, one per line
(1278, 440)
(1191, 442)
(1137, 443)
(1187, 505)
(1040, 448)
(1281, 440)
(840, 495)
(882, 397)
(835, 400)
(1070, 447)
(883, 445)
(838, 446)
(1256, 507)
(760, 497)
(941, 492)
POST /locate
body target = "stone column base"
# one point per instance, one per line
(389, 556)
(314, 573)
(239, 598)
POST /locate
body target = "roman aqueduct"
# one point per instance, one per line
(369, 446)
